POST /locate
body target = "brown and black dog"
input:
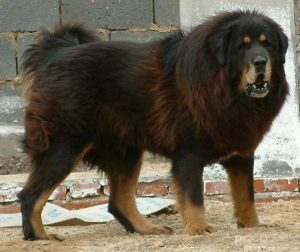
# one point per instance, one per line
(198, 98)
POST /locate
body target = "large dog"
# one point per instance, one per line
(208, 96)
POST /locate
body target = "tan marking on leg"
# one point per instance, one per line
(81, 155)
(193, 216)
(36, 219)
(123, 190)
(179, 196)
(244, 208)
(194, 219)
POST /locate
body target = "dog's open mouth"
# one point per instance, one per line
(258, 89)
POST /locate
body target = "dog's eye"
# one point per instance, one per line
(266, 43)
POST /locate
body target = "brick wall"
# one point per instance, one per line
(81, 190)
(135, 20)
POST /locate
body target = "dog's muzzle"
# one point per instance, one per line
(260, 86)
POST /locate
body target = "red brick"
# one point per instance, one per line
(59, 193)
(259, 186)
(11, 208)
(83, 190)
(156, 188)
(79, 204)
(281, 185)
(216, 187)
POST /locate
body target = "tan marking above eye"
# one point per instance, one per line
(247, 39)
(262, 37)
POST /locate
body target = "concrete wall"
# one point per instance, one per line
(135, 20)
(297, 41)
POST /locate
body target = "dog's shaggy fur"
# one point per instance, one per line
(207, 96)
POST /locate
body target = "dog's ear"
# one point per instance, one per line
(219, 44)
(196, 59)
(283, 43)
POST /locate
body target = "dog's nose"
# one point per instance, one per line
(259, 61)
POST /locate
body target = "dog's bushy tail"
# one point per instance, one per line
(48, 47)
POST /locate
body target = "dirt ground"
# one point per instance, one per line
(19, 164)
(283, 235)
(12, 165)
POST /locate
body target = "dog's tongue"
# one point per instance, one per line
(260, 80)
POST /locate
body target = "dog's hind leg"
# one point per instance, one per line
(122, 181)
(48, 170)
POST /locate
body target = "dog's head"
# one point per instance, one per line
(251, 47)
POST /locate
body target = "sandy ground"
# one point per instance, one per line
(283, 235)
(19, 164)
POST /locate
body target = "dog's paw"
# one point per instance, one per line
(199, 229)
